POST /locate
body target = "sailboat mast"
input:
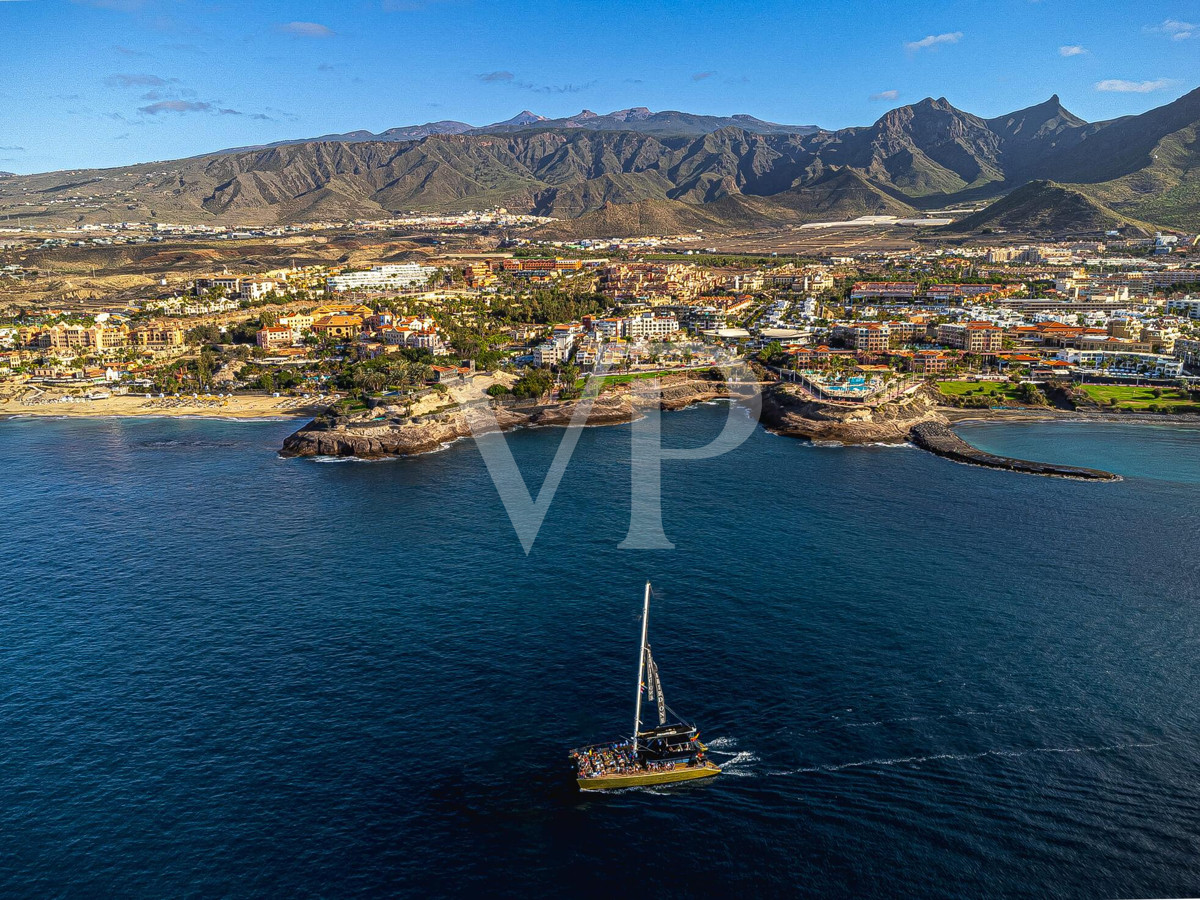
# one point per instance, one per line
(637, 709)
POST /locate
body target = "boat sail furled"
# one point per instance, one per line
(667, 753)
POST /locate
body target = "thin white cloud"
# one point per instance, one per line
(1174, 29)
(932, 40)
(1121, 86)
(884, 95)
(307, 29)
(1072, 50)
(192, 106)
(138, 81)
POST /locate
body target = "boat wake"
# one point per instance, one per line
(721, 743)
(937, 757)
(739, 764)
(735, 762)
(962, 714)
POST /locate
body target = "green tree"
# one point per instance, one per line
(533, 384)
(568, 373)
(205, 364)
(772, 354)
(203, 334)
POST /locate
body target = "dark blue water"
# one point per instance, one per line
(226, 674)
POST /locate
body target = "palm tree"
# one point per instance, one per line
(568, 374)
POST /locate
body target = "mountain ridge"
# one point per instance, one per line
(921, 156)
(1046, 206)
(638, 118)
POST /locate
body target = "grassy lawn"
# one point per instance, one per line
(632, 376)
(998, 391)
(1136, 397)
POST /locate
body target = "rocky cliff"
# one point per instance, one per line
(387, 432)
(788, 410)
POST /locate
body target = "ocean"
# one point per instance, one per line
(229, 674)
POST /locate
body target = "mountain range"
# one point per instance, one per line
(638, 118)
(650, 172)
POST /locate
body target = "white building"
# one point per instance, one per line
(652, 325)
(554, 351)
(611, 329)
(257, 288)
(1187, 306)
(382, 278)
(1121, 362)
(1188, 352)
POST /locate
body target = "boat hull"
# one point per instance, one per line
(642, 779)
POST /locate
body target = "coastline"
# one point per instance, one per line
(393, 434)
(916, 420)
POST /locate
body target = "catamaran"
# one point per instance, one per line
(660, 755)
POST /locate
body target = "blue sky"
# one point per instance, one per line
(111, 82)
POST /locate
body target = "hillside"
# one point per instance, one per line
(734, 173)
(1045, 207)
(638, 219)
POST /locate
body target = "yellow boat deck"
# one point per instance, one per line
(616, 781)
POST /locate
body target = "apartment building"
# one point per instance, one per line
(972, 337)
(157, 337)
(297, 322)
(101, 338)
(1187, 350)
(654, 282)
(929, 362)
(1124, 363)
(872, 337)
(399, 276)
(896, 291)
(1186, 306)
(275, 337)
(652, 325)
(554, 351)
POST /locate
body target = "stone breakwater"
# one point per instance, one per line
(378, 436)
(938, 439)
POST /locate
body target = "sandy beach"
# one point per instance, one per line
(230, 407)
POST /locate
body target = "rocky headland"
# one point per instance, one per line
(789, 410)
(387, 432)
(917, 417)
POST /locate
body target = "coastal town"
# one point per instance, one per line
(374, 375)
(1110, 323)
